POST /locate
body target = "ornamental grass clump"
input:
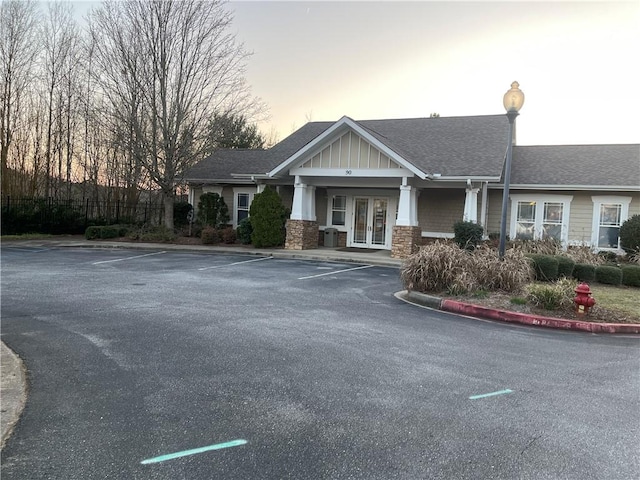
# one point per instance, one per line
(445, 267)
(558, 295)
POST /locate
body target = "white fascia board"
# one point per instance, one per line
(462, 178)
(249, 175)
(352, 173)
(209, 181)
(603, 188)
(344, 124)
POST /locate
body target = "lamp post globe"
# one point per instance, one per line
(512, 101)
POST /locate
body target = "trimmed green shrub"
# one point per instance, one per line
(631, 275)
(565, 266)
(181, 212)
(109, 231)
(91, 233)
(467, 234)
(585, 272)
(210, 236)
(146, 233)
(545, 266)
(268, 216)
(244, 231)
(212, 210)
(608, 274)
(228, 235)
(630, 235)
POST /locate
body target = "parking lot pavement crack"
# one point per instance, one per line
(531, 442)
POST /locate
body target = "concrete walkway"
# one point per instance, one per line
(13, 391)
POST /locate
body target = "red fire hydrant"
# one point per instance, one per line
(583, 300)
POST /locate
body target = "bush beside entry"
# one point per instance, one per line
(212, 210)
(630, 235)
(268, 216)
(467, 234)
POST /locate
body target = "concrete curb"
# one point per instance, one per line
(478, 311)
(13, 385)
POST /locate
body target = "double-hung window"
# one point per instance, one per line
(338, 210)
(242, 203)
(609, 213)
(536, 217)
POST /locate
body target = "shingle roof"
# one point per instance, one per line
(580, 165)
(226, 162)
(451, 146)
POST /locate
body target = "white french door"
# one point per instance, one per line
(370, 222)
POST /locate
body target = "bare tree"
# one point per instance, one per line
(165, 68)
(18, 49)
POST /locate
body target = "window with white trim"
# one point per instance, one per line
(241, 205)
(609, 213)
(536, 217)
(338, 210)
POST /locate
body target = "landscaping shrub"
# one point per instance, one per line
(109, 231)
(630, 235)
(557, 295)
(210, 236)
(181, 212)
(212, 210)
(608, 274)
(631, 275)
(584, 272)
(91, 233)
(565, 266)
(445, 267)
(244, 231)
(546, 246)
(467, 234)
(584, 254)
(267, 215)
(544, 266)
(147, 233)
(608, 257)
(228, 235)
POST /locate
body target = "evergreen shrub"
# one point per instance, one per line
(109, 231)
(608, 274)
(244, 231)
(545, 266)
(91, 233)
(467, 234)
(565, 266)
(181, 212)
(268, 216)
(584, 272)
(630, 235)
(631, 275)
(212, 210)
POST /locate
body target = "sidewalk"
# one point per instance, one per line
(13, 391)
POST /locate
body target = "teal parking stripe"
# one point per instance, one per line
(184, 453)
(484, 395)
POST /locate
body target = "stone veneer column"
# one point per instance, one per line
(405, 241)
(301, 235)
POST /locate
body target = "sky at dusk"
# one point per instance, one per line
(576, 62)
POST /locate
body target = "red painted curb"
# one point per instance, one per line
(527, 319)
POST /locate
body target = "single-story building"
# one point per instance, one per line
(391, 184)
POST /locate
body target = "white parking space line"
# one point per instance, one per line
(128, 258)
(335, 272)
(235, 263)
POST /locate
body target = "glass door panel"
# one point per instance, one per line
(360, 222)
(379, 221)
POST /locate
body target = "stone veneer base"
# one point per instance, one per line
(405, 241)
(301, 235)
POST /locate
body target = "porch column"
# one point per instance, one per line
(471, 205)
(407, 235)
(302, 228)
(260, 187)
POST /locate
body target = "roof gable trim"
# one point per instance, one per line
(341, 126)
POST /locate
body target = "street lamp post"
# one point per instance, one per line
(513, 101)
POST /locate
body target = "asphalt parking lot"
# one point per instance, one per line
(166, 364)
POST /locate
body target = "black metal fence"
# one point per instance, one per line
(37, 215)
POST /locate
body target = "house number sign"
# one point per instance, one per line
(347, 172)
